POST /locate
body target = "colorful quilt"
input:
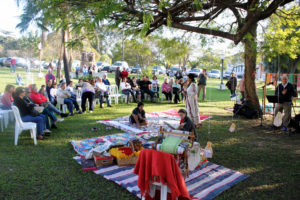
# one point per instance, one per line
(86, 146)
(155, 119)
(205, 183)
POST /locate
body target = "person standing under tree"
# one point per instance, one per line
(231, 84)
(202, 84)
(118, 77)
(191, 103)
(285, 92)
(13, 63)
(241, 87)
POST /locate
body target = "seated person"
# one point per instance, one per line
(102, 91)
(135, 87)
(27, 113)
(166, 89)
(176, 87)
(138, 116)
(7, 98)
(43, 90)
(285, 92)
(186, 124)
(105, 80)
(64, 97)
(53, 94)
(145, 87)
(155, 86)
(46, 111)
(70, 89)
(41, 100)
(48, 88)
(19, 80)
(126, 90)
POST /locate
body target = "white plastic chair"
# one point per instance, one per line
(62, 107)
(114, 93)
(163, 190)
(21, 126)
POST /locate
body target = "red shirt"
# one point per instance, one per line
(124, 74)
(13, 61)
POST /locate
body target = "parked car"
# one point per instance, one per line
(214, 74)
(6, 62)
(121, 64)
(2, 60)
(158, 70)
(35, 63)
(21, 62)
(136, 69)
(174, 69)
(195, 71)
(226, 75)
(106, 68)
(100, 65)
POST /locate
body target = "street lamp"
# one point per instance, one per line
(222, 86)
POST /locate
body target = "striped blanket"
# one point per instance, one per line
(155, 119)
(205, 183)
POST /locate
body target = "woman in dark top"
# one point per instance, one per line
(27, 112)
(118, 77)
(138, 116)
(231, 84)
(186, 124)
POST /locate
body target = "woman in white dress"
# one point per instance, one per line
(191, 103)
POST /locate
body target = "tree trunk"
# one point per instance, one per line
(250, 46)
(70, 50)
(58, 72)
(65, 57)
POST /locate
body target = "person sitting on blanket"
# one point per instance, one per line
(186, 124)
(138, 116)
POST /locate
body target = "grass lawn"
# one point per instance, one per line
(47, 171)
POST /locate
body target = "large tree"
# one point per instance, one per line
(235, 20)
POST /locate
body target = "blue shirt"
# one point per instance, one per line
(106, 81)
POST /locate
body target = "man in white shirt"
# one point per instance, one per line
(126, 90)
(101, 92)
(64, 97)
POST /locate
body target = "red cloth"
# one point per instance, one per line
(155, 165)
(13, 61)
(36, 97)
(124, 74)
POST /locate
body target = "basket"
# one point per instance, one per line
(127, 161)
(103, 161)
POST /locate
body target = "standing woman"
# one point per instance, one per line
(191, 103)
(118, 77)
(232, 83)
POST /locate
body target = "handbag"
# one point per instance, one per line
(34, 113)
(39, 109)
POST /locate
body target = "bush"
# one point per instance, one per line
(147, 71)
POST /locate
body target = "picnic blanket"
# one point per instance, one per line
(155, 119)
(205, 183)
(85, 147)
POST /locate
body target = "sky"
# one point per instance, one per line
(9, 16)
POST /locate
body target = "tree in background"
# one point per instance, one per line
(204, 17)
(281, 49)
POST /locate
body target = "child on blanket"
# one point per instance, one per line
(186, 124)
(138, 116)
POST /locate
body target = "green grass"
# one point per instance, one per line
(47, 171)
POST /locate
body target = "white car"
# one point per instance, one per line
(214, 74)
(121, 64)
(195, 71)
